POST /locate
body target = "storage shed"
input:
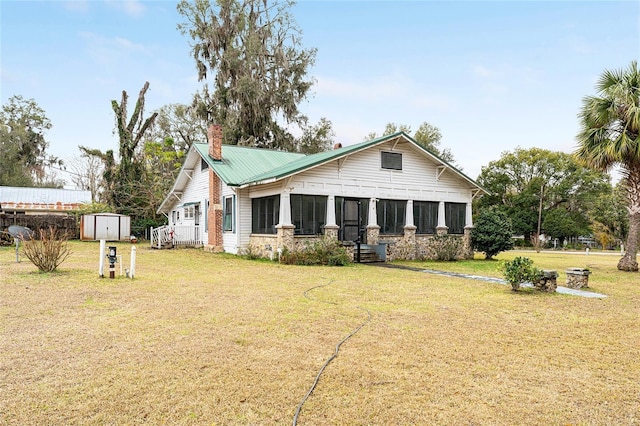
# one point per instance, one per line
(105, 226)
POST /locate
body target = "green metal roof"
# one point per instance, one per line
(240, 163)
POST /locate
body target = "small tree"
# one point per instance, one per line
(492, 233)
(48, 251)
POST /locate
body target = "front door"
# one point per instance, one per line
(352, 217)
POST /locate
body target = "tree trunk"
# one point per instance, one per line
(628, 262)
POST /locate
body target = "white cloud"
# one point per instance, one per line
(77, 6)
(109, 51)
(132, 8)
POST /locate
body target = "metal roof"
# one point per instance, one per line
(241, 163)
(41, 196)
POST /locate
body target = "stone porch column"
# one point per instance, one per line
(409, 227)
(373, 229)
(285, 229)
(331, 228)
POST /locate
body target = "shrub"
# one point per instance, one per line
(492, 233)
(444, 247)
(520, 270)
(48, 251)
(323, 251)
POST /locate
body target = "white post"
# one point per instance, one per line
(285, 208)
(441, 215)
(468, 216)
(331, 211)
(103, 246)
(373, 212)
(408, 220)
(132, 267)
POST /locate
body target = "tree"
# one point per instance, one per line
(527, 184)
(492, 233)
(608, 217)
(123, 180)
(428, 136)
(86, 174)
(251, 53)
(181, 124)
(316, 138)
(609, 127)
(23, 157)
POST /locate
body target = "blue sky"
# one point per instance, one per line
(492, 75)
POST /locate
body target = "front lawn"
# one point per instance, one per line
(201, 338)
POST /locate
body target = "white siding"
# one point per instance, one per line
(196, 190)
(360, 175)
(230, 238)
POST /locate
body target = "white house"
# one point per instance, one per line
(387, 190)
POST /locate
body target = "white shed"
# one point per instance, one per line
(105, 226)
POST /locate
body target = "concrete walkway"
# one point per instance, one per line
(560, 289)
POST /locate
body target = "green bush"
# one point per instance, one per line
(444, 247)
(492, 233)
(323, 251)
(520, 270)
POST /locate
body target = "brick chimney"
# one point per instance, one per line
(214, 136)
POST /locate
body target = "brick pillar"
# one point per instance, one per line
(215, 213)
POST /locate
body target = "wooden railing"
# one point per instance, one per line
(177, 235)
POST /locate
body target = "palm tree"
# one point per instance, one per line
(610, 123)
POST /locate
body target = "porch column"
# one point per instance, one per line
(409, 227)
(468, 222)
(331, 228)
(373, 229)
(467, 249)
(442, 227)
(284, 228)
(285, 209)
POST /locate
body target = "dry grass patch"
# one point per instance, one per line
(199, 338)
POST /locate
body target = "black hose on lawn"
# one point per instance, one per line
(335, 353)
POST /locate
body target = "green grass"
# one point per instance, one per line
(200, 338)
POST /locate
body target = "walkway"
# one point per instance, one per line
(561, 290)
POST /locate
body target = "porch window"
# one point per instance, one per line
(425, 216)
(391, 216)
(265, 214)
(391, 160)
(455, 216)
(227, 214)
(308, 213)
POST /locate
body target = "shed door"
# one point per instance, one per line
(108, 228)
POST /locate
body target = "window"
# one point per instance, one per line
(227, 214)
(189, 212)
(203, 164)
(173, 217)
(265, 213)
(308, 213)
(455, 216)
(391, 216)
(391, 160)
(425, 216)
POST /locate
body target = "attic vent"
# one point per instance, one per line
(391, 160)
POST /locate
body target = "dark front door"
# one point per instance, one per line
(352, 218)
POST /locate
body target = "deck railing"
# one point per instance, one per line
(175, 235)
